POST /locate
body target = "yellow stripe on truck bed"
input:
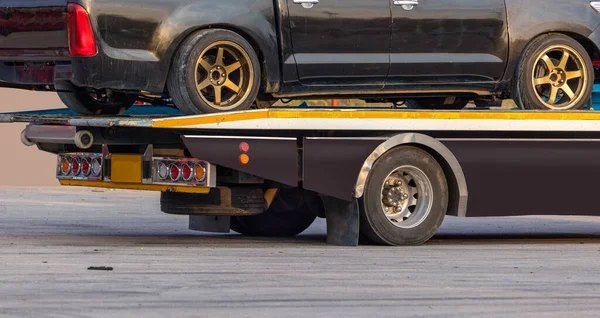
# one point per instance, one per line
(370, 114)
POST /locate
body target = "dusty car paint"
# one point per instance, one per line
(359, 48)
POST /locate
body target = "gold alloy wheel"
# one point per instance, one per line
(559, 77)
(224, 75)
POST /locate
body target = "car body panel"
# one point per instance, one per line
(139, 37)
(335, 48)
(341, 42)
(528, 19)
(448, 41)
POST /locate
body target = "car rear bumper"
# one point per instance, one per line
(33, 74)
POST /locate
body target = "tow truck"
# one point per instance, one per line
(386, 175)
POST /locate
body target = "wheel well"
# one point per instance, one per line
(243, 34)
(589, 46)
(453, 193)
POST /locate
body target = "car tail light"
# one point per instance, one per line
(180, 171)
(81, 34)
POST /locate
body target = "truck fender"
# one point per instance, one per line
(457, 183)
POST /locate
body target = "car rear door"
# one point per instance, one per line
(340, 42)
(437, 41)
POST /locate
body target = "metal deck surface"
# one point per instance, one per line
(320, 118)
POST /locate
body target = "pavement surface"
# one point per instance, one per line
(49, 237)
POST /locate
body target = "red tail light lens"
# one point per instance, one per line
(175, 171)
(75, 166)
(187, 171)
(81, 34)
(85, 167)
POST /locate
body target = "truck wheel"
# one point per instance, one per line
(555, 73)
(405, 199)
(214, 71)
(292, 212)
(89, 104)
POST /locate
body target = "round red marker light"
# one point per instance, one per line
(175, 172)
(244, 147)
(186, 171)
(76, 166)
(85, 167)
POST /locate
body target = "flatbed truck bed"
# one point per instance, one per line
(389, 174)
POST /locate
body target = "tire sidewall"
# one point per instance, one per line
(526, 95)
(373, 219)
(184, 66)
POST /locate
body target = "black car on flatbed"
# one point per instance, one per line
(214, 55)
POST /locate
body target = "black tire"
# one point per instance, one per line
(524, 93)
(237, 227)
(86, 104)
(292, 212)
(435, 103)
(181, 81)
(375, 225)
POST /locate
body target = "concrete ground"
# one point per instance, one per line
(473, 267)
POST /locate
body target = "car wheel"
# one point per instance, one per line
(292, 212)
(214, 71)
(91, 104)
(405, 198)
(555, 73)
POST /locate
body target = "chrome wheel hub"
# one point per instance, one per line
(406, 197)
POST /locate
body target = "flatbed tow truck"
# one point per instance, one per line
(390, 175)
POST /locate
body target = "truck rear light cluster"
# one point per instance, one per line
(80, 32)
(81, 166)
(180, 171)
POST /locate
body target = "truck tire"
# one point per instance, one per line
(86, 104)
(214, 71)
(405, 198)
(292, 212)
(555, 73)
